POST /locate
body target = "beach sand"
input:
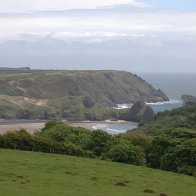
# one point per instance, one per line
(30, 127)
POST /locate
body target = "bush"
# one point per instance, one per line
(142, 141)
(127, 154)
(71, 149)
(20, 140)
(174, 150)
(100, 142)
(43, 144)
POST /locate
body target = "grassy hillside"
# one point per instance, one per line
(105, 87)
(69, 108)
(181, 117)
(40, 174)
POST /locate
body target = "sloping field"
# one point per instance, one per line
(39, 174)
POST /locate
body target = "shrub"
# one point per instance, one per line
(174, 150)
(100, 142)
(17, 140)
(88, 102)
(127, 154)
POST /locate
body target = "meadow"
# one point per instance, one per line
(40, 174)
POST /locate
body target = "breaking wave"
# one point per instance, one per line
(158, 106)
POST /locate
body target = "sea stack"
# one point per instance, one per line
(140, 112)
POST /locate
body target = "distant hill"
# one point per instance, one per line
(15, 69)
(104, 87)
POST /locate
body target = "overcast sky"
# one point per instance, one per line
(133, 35)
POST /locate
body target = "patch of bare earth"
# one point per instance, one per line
(37, 102)
(41, 102)
(120, 184)
(149, 191)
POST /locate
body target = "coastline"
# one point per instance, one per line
(13, 121)
(35, 125)
(108, 125)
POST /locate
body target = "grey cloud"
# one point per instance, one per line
(104, 38)
(128, 54)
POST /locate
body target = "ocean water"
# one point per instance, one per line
(113, 128)
(168, 105)
(116, 128)
(157, 107)
(173, 84)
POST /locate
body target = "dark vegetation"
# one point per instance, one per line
(174, 145)
(184, 117)
(174, 149)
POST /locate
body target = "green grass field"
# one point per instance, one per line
(29, 173)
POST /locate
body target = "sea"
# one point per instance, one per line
(112, 127)
(173, 84)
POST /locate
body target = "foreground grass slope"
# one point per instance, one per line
(29, 173)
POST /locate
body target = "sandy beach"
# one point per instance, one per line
(30, 127)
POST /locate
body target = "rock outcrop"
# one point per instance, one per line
(188, 99)
(140, 112)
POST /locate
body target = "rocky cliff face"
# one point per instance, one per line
(104, 87)
(140, 111)
(188, 99)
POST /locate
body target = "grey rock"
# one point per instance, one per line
(188, 99)
(140, 112)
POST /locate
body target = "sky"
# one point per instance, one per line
(133, 35)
